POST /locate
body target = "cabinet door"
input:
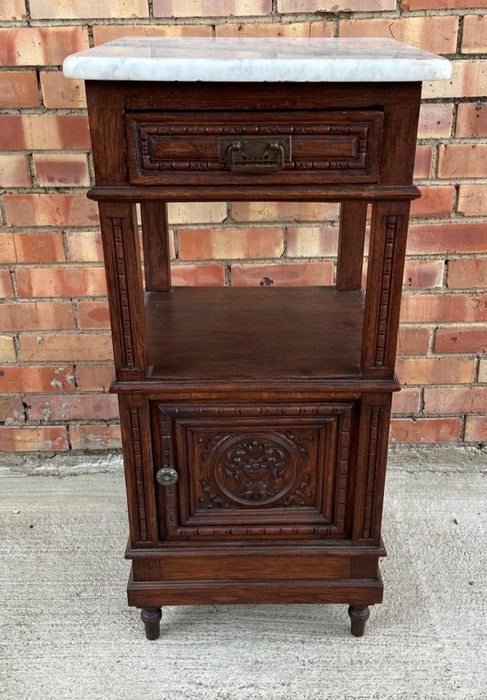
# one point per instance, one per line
(252, 471)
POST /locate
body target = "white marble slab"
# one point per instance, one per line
(256, 60)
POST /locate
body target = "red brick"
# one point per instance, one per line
(438, 34)
(72, 407)
(435, 201)
(467, 80)
(435, 120)
(87, 9)
(50, 210)
(423, 274)
(472, 200)
(59, 92)
(7, 349)
(212, 275)
(11, 10)
(462, 160)
(419, 430)
(413, 340)
(471, 119)
(284, 275)
(197, 212)
(284, 211)
(14, 171)
(42, 315)
(455, 400)
(65, 347)
(476, 429)
(447, 238)
(204, 244)
(93, 315)
(38, 247)
(40, 46)
(435, 370)
(61, 282)
(109, 32)
(461, 340)
(18, 89)
(423, 162)
(333, 6)
(474, 38)
(11, 409)
(443, 308)
(95, 437)
(28, 439)
(61, 169)
(6, 289)
(276, 29)
(312, 241)
(32, 379)
(202, 8)
(44, 132)
(467, 273)
(84, 246)
(406, 401)
(442, 4)
(95, 377)
(483, 369)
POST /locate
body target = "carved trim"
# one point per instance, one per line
(167, 458)
(391, 224)
(137, 458)
(343, 457)
(128, 341)
(253, 411)
(375, 417)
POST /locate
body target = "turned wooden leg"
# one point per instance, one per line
(359, 614)
(151, 618)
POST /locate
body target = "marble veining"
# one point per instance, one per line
(256, 60)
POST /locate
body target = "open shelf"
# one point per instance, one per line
(253, 333)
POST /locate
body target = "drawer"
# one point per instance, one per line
(234, 472)
(252, 148)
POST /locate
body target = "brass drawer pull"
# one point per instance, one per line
(167, 476)
(254, 155)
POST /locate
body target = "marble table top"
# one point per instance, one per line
(256, 60)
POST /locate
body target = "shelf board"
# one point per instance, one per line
(241, 333)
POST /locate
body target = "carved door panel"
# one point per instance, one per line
(253, 471)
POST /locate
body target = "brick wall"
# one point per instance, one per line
(55, 351)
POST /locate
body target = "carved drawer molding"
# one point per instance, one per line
(225, 148)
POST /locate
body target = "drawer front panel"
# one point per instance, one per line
(255, 148)
(249, 471)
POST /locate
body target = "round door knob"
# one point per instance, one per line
(167, 476)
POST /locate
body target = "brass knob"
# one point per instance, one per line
(167, 476)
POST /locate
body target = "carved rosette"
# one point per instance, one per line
(254, 470)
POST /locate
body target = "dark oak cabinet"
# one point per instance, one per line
(254, 420)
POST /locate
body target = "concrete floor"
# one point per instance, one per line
(66, 631)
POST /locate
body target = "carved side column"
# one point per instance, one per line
(372, 457)
(139, 472)
(125, 288)
(384, 284)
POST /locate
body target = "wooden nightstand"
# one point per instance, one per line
(254, 420)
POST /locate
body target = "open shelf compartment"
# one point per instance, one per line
(255, 333)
